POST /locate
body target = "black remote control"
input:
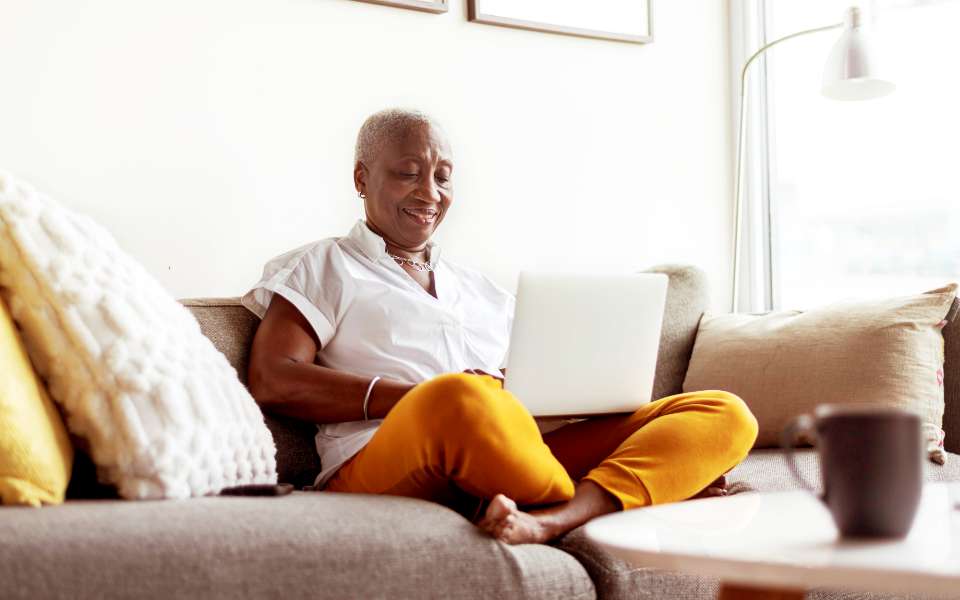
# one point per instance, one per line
(258, 489)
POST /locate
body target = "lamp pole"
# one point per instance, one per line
(738, 199)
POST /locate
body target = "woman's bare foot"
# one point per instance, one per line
(504, 521)
(507, 523)
(717, 488)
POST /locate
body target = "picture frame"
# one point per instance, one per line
(618, 20)
(431, 6)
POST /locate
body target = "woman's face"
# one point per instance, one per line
(408, 187)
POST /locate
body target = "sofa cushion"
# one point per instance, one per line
(763, 470)
(35, 450)
(305, 544)
(617, 579)
(886, 352)
(767, 471)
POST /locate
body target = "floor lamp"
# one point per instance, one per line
(848, 75)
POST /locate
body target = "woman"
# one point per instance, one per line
(395, 354)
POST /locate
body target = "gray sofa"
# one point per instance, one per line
(327, 545)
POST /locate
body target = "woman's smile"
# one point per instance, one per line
(421, 216)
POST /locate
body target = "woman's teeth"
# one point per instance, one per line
(423, 217)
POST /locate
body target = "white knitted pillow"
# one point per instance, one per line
(161, 411)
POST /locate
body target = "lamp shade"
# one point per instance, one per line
(851, 69)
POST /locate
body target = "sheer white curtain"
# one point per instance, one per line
(747, 34)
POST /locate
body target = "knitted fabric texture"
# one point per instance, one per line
(158, 408)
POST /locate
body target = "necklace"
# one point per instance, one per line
(419, 266)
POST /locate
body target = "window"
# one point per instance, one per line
(864, 196)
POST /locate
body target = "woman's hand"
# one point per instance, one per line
(482, 372)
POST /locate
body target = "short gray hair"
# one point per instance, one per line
(385, 126)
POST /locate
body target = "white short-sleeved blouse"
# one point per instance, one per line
(372, 318)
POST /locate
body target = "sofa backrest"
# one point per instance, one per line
(951, 385)
(687, 299)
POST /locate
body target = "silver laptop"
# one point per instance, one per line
(585, 344)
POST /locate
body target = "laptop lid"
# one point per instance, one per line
(585, 344)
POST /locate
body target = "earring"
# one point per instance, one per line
(362, 195)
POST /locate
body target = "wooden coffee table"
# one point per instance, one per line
(777, 545)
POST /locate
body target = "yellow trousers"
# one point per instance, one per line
(460, 433)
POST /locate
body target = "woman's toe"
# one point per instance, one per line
(500, 506)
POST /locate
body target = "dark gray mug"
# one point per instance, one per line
(871, 461)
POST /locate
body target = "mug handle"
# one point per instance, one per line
(799, 424)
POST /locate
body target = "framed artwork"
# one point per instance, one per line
(621, 20)
(434, 6)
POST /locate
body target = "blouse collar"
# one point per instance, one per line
(373, 247)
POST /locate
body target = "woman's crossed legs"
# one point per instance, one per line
(464, 432)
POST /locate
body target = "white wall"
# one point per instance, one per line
(209, 136)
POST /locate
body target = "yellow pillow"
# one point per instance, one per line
(35, 452)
